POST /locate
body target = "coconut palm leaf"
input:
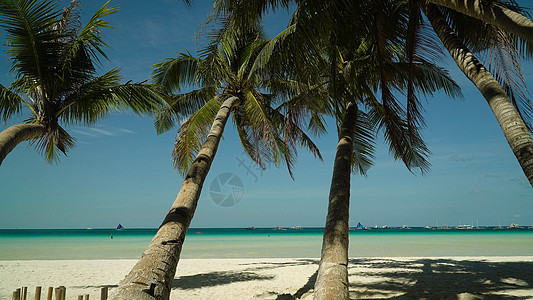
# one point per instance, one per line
(363, 144)
(176, 72)
(54, 140)
(264, 132)
(501, 51)
(182, 105)
(104, 94)
(89, 39)
(53, 59)
(10, 103)
(34, 47)
(191, 135)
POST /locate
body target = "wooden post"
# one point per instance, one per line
(24, 292)
(86, 296)
(80, 297)
(63, 292)
(50, 292)
(103, 293)
(16, 294)
(38, 293)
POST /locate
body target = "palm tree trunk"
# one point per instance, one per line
(332, 280)
(494, 14)
(152, 276)
(16, 134)
(510, 121)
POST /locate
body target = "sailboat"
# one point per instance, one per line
(499, 225)
(120, 227)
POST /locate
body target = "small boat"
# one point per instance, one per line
(120, 227)
(499, 226)
(384, 227)
(359, 226)
(297, 227)
(462, 227)
(251, 228)
(405, 227)
(279, 228)
(428, 227)
(90, 228)
(514, 226)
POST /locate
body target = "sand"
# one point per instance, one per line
(370, 278)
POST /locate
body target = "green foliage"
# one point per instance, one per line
(229, 66)
(53, 59)
(500, 51)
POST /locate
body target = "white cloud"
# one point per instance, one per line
(103, 132)
(126, 130)
(99, 132)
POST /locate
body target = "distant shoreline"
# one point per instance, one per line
(272, 227)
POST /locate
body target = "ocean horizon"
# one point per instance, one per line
(129, 243)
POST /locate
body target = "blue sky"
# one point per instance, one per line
(120, 170)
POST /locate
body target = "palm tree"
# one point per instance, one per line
(363, 56)
(227, 84)
(511, 30)
(500, 14)
(501, 94)
(53, 59)
(376, 63)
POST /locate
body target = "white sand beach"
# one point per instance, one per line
(370, 278)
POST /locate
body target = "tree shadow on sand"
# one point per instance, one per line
(308, 286)
(440, 279)
(215, 278)
(257, 266)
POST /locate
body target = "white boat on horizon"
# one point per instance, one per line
(463, 227)
(514, 226)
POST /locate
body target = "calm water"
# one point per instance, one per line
(26, 244)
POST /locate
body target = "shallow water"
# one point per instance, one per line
(25, 244)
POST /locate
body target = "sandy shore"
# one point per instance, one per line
(370, 278)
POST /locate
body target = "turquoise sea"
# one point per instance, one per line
(31, 244)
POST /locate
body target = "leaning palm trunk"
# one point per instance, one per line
(332, 279)
(17, 134)
(510, 121)
(152, 276)
(494, 14)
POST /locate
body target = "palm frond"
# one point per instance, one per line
(363, 143)
(294, 136)
(192, 135)
(105, 94)
(410, 148)
(89, 40)
(429, 78)
(56, 141)
(504, 65)
(10, 103)
(264, 133)
(34, 46)
(182, 105)
(176, 72)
